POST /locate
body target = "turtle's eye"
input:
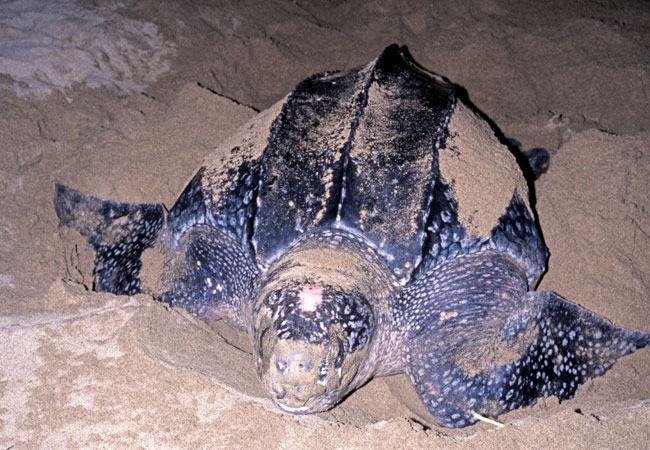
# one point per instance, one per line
(341, 354)
(322, 370)
(260, 354)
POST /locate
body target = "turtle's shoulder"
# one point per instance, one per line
(481, 199)
(482, 173)
(221, 193)
(244, 148)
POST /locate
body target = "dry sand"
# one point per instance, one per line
(87, 370)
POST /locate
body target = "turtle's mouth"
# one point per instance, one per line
(292, 410)
(302, 409)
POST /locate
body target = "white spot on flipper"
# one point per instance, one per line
(448, 315)
(310, 297)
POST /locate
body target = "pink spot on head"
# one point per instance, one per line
(310, 297)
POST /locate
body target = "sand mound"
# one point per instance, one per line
(47, 45)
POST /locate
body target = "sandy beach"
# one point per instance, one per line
(124, 101)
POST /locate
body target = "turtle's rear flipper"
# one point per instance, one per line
(117, 232)
(479, 344)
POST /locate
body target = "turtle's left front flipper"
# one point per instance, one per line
(477, 343)
(117, 232)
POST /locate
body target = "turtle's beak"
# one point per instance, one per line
(298, 375)
(289, 409)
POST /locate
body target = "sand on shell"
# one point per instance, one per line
(82, 369)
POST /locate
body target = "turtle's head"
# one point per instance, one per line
(311, 341)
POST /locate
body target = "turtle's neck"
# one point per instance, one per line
(336, 258)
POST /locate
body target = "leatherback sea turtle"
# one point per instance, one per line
(367, 224)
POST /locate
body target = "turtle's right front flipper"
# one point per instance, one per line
(210, 275)
(117, 232)
(205, 270)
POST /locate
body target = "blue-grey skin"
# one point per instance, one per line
(337, 243)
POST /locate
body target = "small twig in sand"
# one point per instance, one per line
(487, 420)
